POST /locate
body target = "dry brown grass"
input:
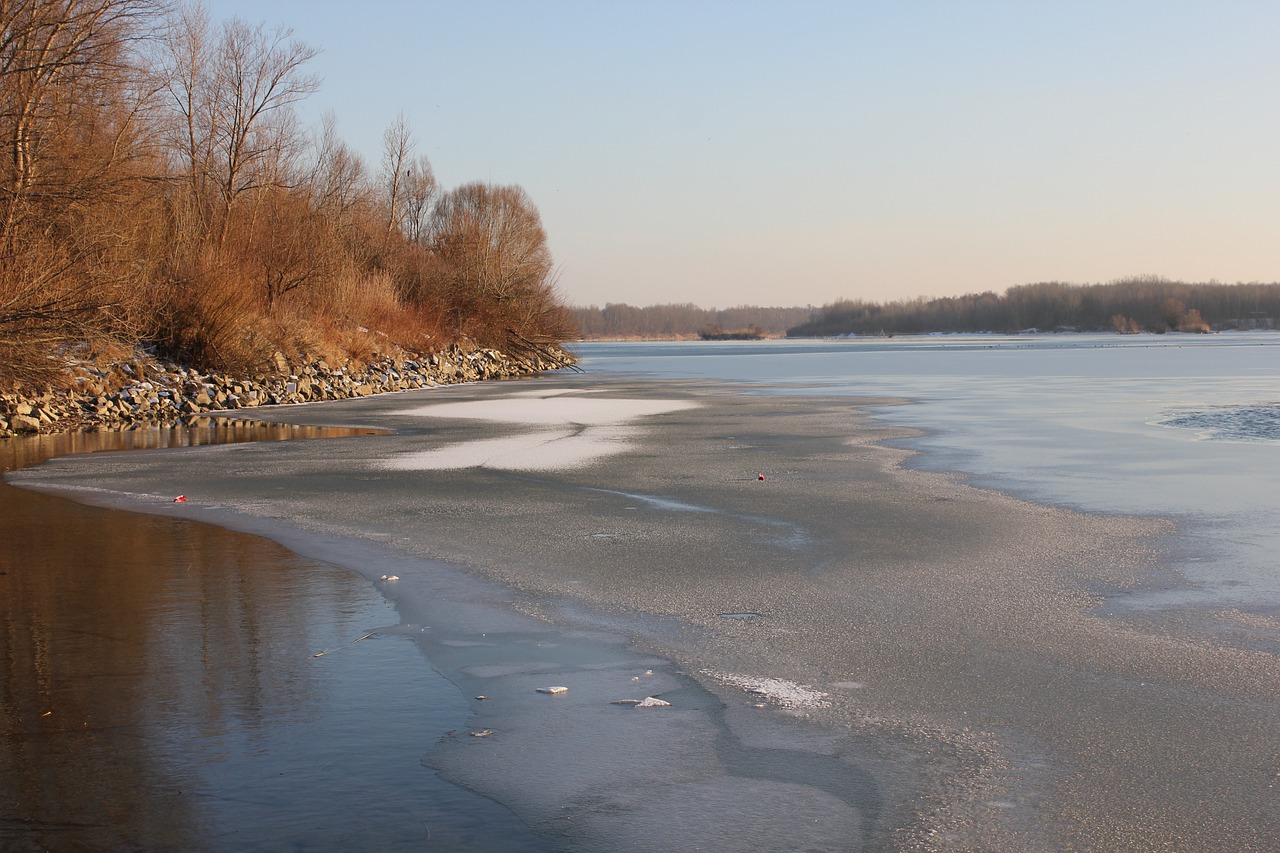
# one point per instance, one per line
(357, 315)
(206, 316)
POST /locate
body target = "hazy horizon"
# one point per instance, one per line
(749, 153)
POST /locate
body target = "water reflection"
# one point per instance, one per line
(31, 450)
(102, 633)
(158, 688)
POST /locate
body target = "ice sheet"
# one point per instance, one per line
(570, 432)
(551, 409)
(1183, 426)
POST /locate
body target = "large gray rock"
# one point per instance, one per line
(24, 423)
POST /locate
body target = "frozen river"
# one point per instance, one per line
(1184, 426)
(909, 663)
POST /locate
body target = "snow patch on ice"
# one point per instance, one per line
(540, 450)
(788, 694)
(551, 410)
(569, 432)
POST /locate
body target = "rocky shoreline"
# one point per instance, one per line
(145, 392)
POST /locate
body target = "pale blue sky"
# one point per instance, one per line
(796, 153)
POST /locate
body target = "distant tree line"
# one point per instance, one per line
(156, 188)
(1144, 303)
(685, 320)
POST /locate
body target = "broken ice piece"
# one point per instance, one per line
(554, 691)
(653, 702)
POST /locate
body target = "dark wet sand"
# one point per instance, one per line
(972, 696)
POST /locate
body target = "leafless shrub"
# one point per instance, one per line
(1125, 326)
(205, 314)
(156, 190)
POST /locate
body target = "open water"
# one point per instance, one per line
(171, 685)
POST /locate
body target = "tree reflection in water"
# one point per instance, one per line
(158, 688)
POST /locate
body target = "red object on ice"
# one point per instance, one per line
(181, 499)
(760, 476)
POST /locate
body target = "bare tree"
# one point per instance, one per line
(337, 174)
(258, 80)
(234, 101)
(492, 242)
(397, 153)
(419, 195)
(72, 101)
(408, 182)
(289, 246)
(185, 62)
(54, 55)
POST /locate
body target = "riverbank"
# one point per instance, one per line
(862, 656)
(142, 391)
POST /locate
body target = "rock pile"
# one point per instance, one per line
(145, 392)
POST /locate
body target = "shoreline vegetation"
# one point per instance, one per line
(1125, 306)
(715, 333)
(160, 195)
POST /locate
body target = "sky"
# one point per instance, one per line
(803, 152)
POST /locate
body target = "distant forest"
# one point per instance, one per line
(1127, 306)
(1142, 304)
(619, 320)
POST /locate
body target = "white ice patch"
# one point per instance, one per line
(788, 694)
(551, 410)
(572, 432)
(545, 394)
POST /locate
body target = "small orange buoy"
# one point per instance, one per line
(181, 499)
(760, 476)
